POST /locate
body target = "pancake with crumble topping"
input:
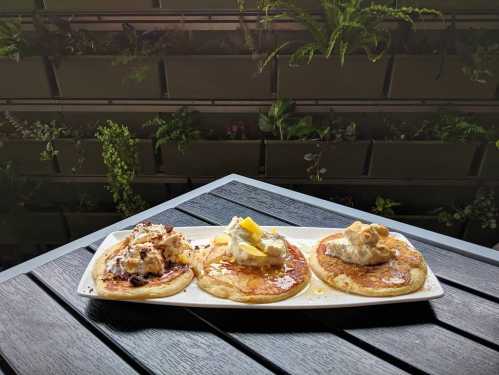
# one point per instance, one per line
(247, 264)
(152, 262)
(364, 259)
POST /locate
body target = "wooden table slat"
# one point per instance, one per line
(162, 339)
(296, 343)
(446, 264)
(475, 315)
(219, 211)
(40, 337)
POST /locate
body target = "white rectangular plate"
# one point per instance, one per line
(317, 295)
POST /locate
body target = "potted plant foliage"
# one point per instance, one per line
(22, 73)
(388, 208)
(302, 149)
(30, 146)
(216, 77)
(185, 153)
(343, 27)
(443, 148)
(108, 65)
(81, 153)
(480, 216)
(120, 157)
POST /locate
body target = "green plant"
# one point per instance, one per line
(281, 121)
(39, 131)
(132, 44)
(336, 131)
(483, 209)
(384, 206)
(177, 127)
(12, 39)
(479, 52)
(344, 26)
(119, 151)
(446, 127)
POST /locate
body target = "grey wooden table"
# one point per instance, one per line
(45, 328)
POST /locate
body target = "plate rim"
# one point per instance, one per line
(228, 304)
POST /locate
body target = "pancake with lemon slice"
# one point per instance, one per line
(248, 264)
(364, 259)
(152, 262)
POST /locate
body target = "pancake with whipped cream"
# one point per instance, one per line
(364, 259)
(152, 262)
(248, 264)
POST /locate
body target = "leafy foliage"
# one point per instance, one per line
(344, 26)
(479, 51)
(483, 209)
(446, 127)
(282, 122)
(12, 39)
(177, 127)
(385, 206)
(39, 131)
(132, 44)
(119, 151)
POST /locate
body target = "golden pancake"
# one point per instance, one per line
(174, 279)
(403, 274)
(220, 275)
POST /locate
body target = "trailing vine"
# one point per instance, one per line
(119, 151)
(38, 131)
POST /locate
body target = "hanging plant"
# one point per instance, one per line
(344, 26)
(119, 151)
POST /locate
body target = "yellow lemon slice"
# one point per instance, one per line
(252, 250)
(251, 227)
(222, 239)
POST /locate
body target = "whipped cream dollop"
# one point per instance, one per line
(150, 247)
(138, 259)
(361, 244)
(252, 246)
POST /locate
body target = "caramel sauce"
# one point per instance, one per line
(259, 280)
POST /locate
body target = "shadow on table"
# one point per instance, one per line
(306, 320)
(123, 316)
